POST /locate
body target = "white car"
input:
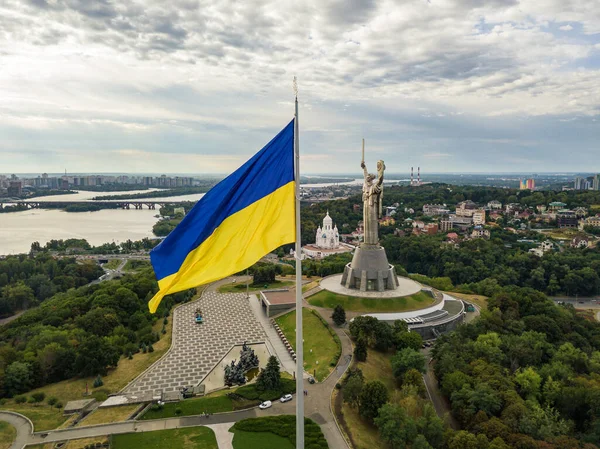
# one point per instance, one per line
(265, 405)
(286, 398)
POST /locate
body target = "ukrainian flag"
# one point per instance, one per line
(244, 217)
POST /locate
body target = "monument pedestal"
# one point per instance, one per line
(370, 270)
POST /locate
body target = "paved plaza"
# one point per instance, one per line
(406, 287)
(197, 348)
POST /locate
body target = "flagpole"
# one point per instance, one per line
(299, 336)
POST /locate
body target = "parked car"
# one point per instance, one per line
(286, 398)
(265, 405)
(311, 380)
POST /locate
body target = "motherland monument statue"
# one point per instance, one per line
(369, 269)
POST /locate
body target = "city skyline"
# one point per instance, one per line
(471, 87)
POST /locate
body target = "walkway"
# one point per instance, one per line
(274, 343)
(197, 348)
(23, 426)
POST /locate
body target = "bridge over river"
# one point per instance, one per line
(107, 204)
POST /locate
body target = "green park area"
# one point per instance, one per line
(275, 432)
(220, 402)
(363, 434)
(112, 264)
(7, 434)
(240, 287)
(134, 265)
(322, 347)
(46, 417)
(329, 300)
(186, 438)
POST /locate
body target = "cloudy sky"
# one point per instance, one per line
(197, 86)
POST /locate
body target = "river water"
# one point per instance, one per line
(19, 229)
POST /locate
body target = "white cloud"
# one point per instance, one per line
(214, 78)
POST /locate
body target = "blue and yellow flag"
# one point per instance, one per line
(242, 218)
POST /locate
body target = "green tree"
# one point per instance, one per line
(411, 340)
(38, 397)
(421, 443)
(17, 378)
(269, 378)
(372, 397)
(360, 349)
(529, 382)
(464, 440)
(352, 389)
(395, 426)
(339, 315)
(406, 359)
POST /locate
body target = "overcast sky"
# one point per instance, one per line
(194, 86)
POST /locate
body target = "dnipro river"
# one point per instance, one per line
(19, 229)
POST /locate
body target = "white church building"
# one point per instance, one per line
(327, 241)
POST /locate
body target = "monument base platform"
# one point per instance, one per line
(370, 270)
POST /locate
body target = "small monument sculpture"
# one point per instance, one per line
(369, 269)
(235, 373)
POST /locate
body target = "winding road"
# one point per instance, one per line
(317, 407)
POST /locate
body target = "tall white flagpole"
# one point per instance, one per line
(299, 336)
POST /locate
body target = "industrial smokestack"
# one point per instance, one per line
(419, 175)
(411, 176)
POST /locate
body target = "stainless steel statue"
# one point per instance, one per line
(372, 202)
(369, 269)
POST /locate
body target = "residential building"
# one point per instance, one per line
(566, 219)
(555, 206)
(479, 217)
(435, 209)
(527, 184)
(15, 188)
(462, 223)
(466, 208)
(445, 224)
(590, 221)
(431, 228)
(479, 232)
(580, 212)
(580, 241)
(494, 205)
(387, 221)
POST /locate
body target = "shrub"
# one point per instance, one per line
(150, 348)
(165, 321)
(58, 405)
(51, 401)
(178, 411)
(98, 382)
(20, 399)
(38, 397)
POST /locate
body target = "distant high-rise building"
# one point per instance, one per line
(528, 184)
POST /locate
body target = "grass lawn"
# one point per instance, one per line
(214, 404)
(260, 440)
(108, 415)
(45, 418)
(314, 283)
(325, 347)
(186, 438)
(273, 432)
(112, 264)
(7, 434)
(240, 287)
(329, 300)
(562, 234)
(479, 300)
(133, 265)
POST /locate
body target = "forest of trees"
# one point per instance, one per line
(491, 263)
(526, 371)
(80, 332)
(28, 281)
(525, 375)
